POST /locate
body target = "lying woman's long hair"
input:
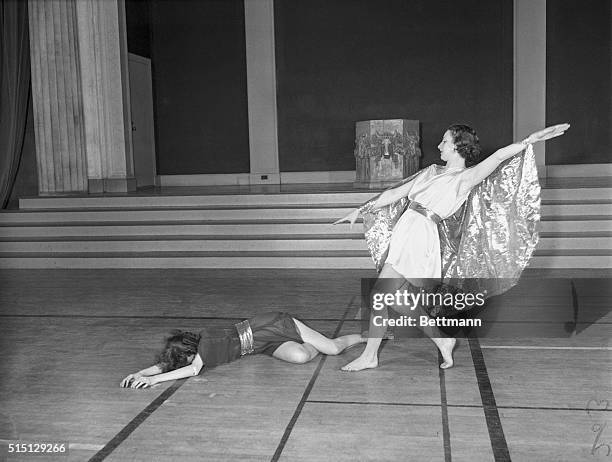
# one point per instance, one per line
(179, 346)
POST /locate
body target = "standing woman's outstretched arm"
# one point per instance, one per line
(479, 172)
(385, 198)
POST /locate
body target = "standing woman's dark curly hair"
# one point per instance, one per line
(466, 142)
(179, 347)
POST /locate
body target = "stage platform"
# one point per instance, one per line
(300, 188)
(263, 226)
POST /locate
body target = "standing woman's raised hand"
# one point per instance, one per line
(546, 134)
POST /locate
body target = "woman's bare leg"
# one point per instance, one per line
(297, 353)
(445, 344)
(314, 343)
(328, 346)
(369, 357)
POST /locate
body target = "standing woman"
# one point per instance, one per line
(411, 250)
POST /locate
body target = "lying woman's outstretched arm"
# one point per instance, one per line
(152, 375)
(128, 380)
(479, 172)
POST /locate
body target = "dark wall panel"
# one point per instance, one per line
(339, 61)
(578, 80)
(138, 18)
(199, 78)
(26, 181)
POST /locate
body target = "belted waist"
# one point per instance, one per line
(425, 212)
(246, 337)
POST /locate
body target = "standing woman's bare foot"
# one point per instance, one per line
(446, 347)
(361, 363)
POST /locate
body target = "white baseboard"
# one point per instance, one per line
(343, 176)
(346, 176)
(264, 178)
(578, 170)
(340, 176)
(204, 180)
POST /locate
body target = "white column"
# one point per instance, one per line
(530, 73)
(261, 91)
(80, 96)
(103, 57)
(56, 98)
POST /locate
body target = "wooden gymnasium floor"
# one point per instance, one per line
(69, 336)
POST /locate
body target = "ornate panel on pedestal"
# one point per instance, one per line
(386, 151)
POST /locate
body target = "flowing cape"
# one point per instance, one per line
(488, 242)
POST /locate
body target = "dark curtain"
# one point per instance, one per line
(14, 90)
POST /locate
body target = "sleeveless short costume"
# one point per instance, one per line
(270, 330)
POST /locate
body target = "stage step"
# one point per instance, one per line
(318, 260)
(219, 200)
(591, 224)
(314, 212)
(184, 245)
(89, 244)
(346, 199)
(277, 230)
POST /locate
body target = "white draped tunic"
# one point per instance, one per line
(414, 249)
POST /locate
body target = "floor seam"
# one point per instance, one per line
(305, 395)
(120, 437)
(499, 445)
(444, 413)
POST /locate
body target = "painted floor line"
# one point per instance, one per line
(526, 347)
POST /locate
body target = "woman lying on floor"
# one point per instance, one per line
(276, 334)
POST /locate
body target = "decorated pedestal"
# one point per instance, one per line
(386, 151)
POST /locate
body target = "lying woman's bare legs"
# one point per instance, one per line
(369, 356)
(328, 346)
(314, 343)
(297, 353)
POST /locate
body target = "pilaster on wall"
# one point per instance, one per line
(82, 135)
(261, 91)
(102, 52)
(56, 97)
(530, 73)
